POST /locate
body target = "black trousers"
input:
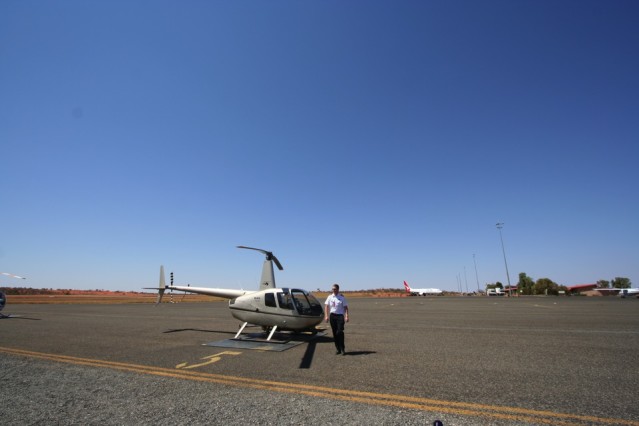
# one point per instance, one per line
(337, 325)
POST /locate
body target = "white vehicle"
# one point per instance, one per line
(269, 307)
(495, 292)
(421, 291)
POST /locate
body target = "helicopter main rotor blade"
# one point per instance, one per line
(11, 275)
(269, 256)
(277, 262)
(253, 248)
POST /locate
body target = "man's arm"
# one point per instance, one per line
(346, 313)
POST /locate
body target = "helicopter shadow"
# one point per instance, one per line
(19, 317)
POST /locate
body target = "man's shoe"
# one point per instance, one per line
(338, 352)
(344, 352)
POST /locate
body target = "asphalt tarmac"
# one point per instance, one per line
(461, 360)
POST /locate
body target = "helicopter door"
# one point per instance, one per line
(284, 300)
(306, 303)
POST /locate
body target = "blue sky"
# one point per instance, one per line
(363, 142)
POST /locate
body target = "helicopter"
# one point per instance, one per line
(3, 297)
(272, 308)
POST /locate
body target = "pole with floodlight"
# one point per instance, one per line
(499, 226)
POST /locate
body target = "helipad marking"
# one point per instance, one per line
(256, 341)
(211, 359)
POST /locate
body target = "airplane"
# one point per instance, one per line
(3, 297)
(629, 292)
(421, 291)
(272, 308)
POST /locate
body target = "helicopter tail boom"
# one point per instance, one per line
(224, 293)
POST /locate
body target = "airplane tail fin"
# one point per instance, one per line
(407, 287)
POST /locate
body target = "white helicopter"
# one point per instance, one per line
(3, 297)
(269, 307)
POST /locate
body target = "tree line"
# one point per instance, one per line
(25, 291)
(527, 286)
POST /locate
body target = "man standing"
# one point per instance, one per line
(336, 311)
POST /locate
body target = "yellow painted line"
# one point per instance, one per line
(380, 399)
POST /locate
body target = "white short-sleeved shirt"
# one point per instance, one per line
(336, 304)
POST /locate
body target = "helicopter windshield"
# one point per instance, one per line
(306, 303)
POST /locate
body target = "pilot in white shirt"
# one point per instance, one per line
(336, 311)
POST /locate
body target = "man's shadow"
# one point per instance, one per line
(356, 353)
(307, 359)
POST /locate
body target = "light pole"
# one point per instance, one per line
(476, 276)
(499, 226)
(466, 279)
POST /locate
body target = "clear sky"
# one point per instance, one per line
(363, 142)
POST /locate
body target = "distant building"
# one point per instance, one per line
(582, 289)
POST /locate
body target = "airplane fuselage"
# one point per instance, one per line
(425, 291)
(628, 292)
(421, 291)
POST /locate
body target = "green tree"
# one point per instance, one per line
(621, 282)
(546, 286)
(603, 284)
(525, 284)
